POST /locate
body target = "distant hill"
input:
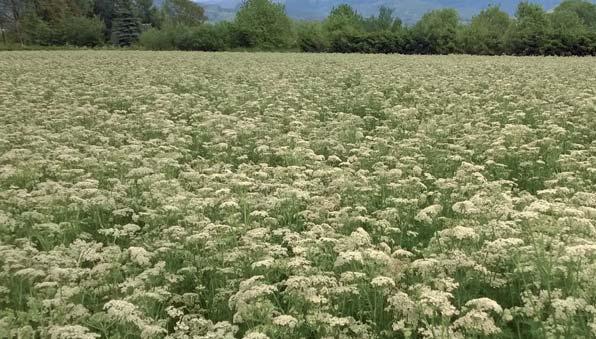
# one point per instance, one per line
(408, 10)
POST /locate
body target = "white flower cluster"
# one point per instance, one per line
(229, 195)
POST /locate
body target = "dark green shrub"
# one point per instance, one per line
(39, 32)
(386, 42)
(262, 24)
(375, 42)
(82, 31)
(311, 38)
(203, 38)
(157, 40)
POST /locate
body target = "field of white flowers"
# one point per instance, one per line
(188, 195)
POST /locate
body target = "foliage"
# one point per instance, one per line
(82, 31)
(239, 195)
(54, 11)
(364, 42)
(384, 21)
(529, 33)
(436, 32)
(349, 32)
(567, 35)
(570, 29)
(125, 25)
(203, 38)
(343, 19)
(157, 39)
(585, 10)
(37, 31)
(262, 24)
(11, 11)
(105, 10)
(147, 13)
(183, 12)
(311, 37)
(206, 37)
(486, 33)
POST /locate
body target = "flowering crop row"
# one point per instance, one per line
(235, 195)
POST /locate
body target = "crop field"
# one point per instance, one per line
(236, 195)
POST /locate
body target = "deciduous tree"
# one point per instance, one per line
(528, 34)
(384, 21)
(183, 12)
(486, 32)
(263, 24)
(11, 13)
(344, 19)
(436, 32)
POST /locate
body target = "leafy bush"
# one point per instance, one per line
(376, 42)
(567, 35)
(386, 42)
(436, 32)
(529, 33)
(82, 31)
(349, 42)
(157, 40)
(203, 38)
(39, 32)
(262, 24)
(486, 33)
(311, 38)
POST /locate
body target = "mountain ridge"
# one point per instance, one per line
(409, 11)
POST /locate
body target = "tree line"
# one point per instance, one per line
(91, 22)
(569, 29)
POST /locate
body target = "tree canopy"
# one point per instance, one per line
(263, 24)
(436, 32)
(344, 18)
(484, 35)
(569, 29)
(183, 12)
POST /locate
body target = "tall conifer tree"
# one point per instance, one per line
(125, 25)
